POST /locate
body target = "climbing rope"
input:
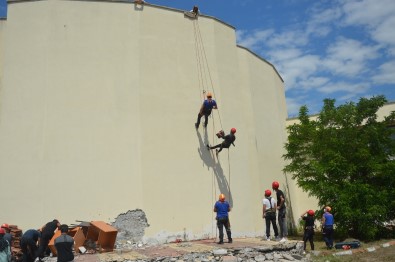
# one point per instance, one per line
(202, 68)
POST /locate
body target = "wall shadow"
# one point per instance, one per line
(210, 161)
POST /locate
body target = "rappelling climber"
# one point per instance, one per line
(205, 110)
(228, 140)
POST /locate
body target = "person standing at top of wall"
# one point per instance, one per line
(205, 110)
(195, 10)
(64, 245)
(327, 227)
(47, 233)
(222, 208)
(282, 211)
(269, 213)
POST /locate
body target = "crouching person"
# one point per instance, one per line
(64, 245)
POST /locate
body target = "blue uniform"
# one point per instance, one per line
(222, 209)
(205, 111)
(328, 230)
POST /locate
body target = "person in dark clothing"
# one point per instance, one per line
(205, 110)
(5, 249)
(29, 245)
(7, 235)
(47, 233)
(327, 227)
(222, 208)
(64, 245)
(269, 213)
(282, 211)
(228, 140)
(308, 229)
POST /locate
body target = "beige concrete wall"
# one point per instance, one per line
(97, 110)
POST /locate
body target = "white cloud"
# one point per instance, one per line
(288, 39)
(377, 16)
(351, 89)
(251, 40)
(349, 57)
(386, 74)
(368, 12)
(313, 82)
(321, 21)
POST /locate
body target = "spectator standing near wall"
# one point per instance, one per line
(282, 211)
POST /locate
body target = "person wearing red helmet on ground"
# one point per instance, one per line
(269, 213)
(327, 227)
(205, 110)
(228, 140)
(282, 211)
(308, 217)
(222, 208)
(5, 248)
(7, 235)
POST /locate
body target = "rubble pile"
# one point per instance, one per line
(16, 240)
(291, 251)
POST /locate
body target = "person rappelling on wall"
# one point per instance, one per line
(205, 110)
(228, 140)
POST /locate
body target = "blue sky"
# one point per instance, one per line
(341, 49)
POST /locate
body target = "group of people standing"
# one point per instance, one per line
(34, 243)
(272, 208)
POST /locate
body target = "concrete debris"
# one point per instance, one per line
(131, 226)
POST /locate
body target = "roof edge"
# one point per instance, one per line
(263, 59)
(129, 2)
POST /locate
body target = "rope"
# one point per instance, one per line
(208, 69)
(198, 64)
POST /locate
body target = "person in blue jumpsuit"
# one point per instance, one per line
(222, 208)
(205, 110)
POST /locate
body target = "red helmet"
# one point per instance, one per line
(268, 192)
(222, 197)
(233, 130)
(275, 185)
(310, 212)
(5, 225)
(2, 231)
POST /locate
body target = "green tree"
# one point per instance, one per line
(344, 158)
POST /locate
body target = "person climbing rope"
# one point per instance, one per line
(228, 140)
(205, 110)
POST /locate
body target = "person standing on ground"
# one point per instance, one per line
(47, 233)
(327, 227)
(29, 245)
(282, 211)
(64, 245)
(308, 217)
(269, 213)
(5, 248)
(228, 140)
(222, 208)
(205, 110)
